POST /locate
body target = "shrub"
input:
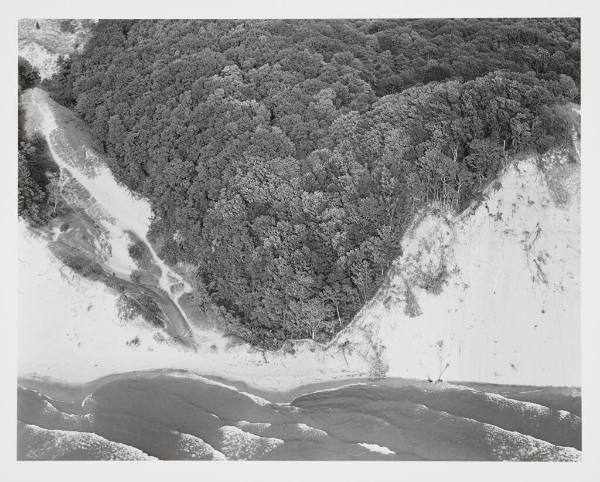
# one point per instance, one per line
(433, 281)
(411, 307)
(28, 75)
(67, 26)
(134, 342)
(136, 250)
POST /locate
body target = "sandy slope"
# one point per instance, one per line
(509, 311)
(69, 330)
(499, 317)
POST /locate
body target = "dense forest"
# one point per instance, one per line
(36, 169)
(285, 159)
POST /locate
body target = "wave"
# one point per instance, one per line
(37, 409)
(237, 444)
(190, 447)
(68, 421)
(311, 431)
(333, 389)
(529, 408)
(505, 445)
(88, 401)
(558, 427)
(286, 431)
(254, 427)
(515, 446)
(380, 449)
(37, 443)
(263, 402)
(209, 381)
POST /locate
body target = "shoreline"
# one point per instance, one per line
(77, 392)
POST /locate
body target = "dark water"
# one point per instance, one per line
(171, 417)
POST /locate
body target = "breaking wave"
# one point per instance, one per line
(196, 418)
(190, 447)
(237, 444)
(36, 443)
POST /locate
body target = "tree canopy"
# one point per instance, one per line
(35, 165)
(284, 159)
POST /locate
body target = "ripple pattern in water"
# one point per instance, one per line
(178, 418)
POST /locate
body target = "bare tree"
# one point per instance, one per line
(56, 186)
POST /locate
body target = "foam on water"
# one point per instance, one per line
(514, 446)
(563, 414)
(380, 449)
(335, 426)
(237, 444)
(65, 420)
(194, 376)
(510, 445)
(254, 426)
(190, 447)
(256, 399)
(44, 444)
(333, 389)
(87, 401)
(535, 411)
(530, 407)
(308, 430)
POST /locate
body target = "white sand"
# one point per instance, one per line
(499, 319)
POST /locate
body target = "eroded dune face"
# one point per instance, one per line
(491, 295)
